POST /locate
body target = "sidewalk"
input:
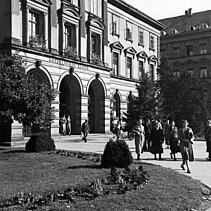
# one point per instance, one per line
(200, 169)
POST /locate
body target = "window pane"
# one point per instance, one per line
(95, 43)
(129, 67)
(115, 63)
(70, 36)
(141, 69)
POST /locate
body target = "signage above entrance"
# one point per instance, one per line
(65, 63)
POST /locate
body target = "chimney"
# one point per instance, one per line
(188, 12)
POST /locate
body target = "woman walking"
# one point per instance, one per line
(138, 130)
(186, 137)
(173, 140)
(208, 138)
(157, 140)
(68, 125)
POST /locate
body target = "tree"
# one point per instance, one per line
(22, 97)
(182, 96)
(145, 104)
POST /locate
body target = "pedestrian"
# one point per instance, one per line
(68, 125)
(207, 134)
(138, 130)
(85, 130)
(166, 132)
(147, 131)
(118, 129)
(157, 140)
(63, 122)
(173, 140)
(186, 137)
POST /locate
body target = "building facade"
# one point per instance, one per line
(92, 52)
(186, 43)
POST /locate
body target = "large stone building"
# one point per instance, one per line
(186, 43)
(92, 52)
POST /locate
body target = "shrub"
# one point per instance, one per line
(40, 143)
(116, 154)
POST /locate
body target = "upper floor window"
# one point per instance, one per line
(189, 49)
(151, 42)
(203, 26)
(128, 31)
(162, 52)
(141, 69)
(115, 63)
(176, 73)
(203, 48)
(152, 71)
(141, 37)
(173, 31)
(203, 72)
(95, 7)
(128, 67)
(190, 28)
(36, 31)
(176, 50)
(115, 25)
(70, 35)
(190, 72)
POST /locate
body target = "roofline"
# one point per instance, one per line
(137, 13)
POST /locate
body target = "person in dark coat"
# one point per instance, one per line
(147, 131)
(173, 139)
(186, 137)
(85, 130)
(207, 134)
(68, 125)
(157, 140)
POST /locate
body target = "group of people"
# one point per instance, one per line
(150, 136)
(65, 125)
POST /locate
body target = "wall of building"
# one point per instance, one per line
(87, 78)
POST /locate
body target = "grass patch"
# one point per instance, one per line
(45, 173)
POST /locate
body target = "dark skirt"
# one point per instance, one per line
(174, 146)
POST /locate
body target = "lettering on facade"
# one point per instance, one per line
(65, 63)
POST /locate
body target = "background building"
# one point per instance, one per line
(91, 51)
(186, 43)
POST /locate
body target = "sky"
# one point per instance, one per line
(159, 9)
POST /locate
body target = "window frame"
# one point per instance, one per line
(129, 31)
(203, 72)
(203, 48)
(115, 71)
(115, 22)
(141, 37)
(129, 74)
(141, 69)
(189, 50)
(151, 42)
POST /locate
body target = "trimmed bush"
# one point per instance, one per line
(116, 154)
(40, 143)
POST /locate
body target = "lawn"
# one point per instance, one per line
(47, 173)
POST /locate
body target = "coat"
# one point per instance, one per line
(157, 140)
(173, 140)
(185, 136)
(208, 138)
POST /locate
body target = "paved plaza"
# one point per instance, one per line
(200, 168)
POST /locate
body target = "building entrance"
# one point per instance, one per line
(96, 107)
(70, 102)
